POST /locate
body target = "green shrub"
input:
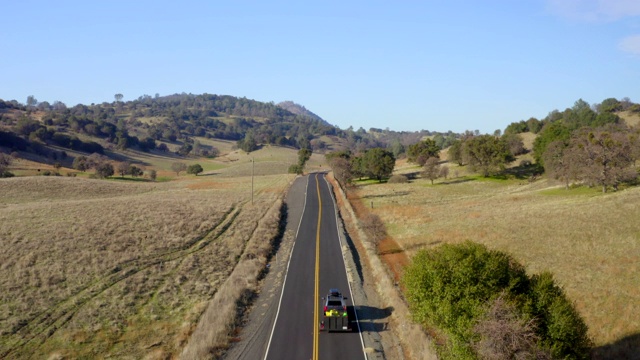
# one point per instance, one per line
(295, 169)
(561, 328)
(449, 287)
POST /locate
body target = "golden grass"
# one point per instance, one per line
(94, 268)
(589, 241)
(631, 118)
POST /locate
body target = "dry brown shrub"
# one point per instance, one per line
(373, 227)
(398, 179)
(505, 336)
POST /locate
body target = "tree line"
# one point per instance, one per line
(376, 163)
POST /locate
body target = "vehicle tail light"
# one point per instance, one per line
(325, 309)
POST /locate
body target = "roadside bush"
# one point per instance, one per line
(398, 179)
(373, 226)
(562, 330)
(449, 287)
(295, 169)
(502, 334)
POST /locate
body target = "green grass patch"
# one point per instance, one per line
(573, 191)
(365, 182)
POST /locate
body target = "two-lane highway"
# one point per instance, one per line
(315, 266)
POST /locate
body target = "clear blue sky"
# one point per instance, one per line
(406, 65)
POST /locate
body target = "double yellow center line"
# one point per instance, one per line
(316, 305)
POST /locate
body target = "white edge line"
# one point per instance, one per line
(335, 207)
(284, 281)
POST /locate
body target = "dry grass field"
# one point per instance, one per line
(590, 241)
(122, 269)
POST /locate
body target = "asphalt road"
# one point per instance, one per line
(294, 335)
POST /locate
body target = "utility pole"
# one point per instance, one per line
(252, 167)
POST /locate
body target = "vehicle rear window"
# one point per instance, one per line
(335, 303)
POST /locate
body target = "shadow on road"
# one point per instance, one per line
(371, 318)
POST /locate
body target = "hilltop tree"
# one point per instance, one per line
(31, 101)
(118, 97)
(178, 167)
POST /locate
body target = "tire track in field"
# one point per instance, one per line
(45, 324)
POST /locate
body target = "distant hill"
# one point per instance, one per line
(299, 110)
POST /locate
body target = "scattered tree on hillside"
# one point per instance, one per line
(195, 169)
(104, 170)
(420, 152)
(444, 172)
(515, 144)
(561, 162)
(163, 147)
(153, 174)
(358, 169)
(605, 155)
(455, 152)
(397, 148)
(178, 167)
(5, 161)
(487, 154)
(123, 168)
(185, 149)
(549, 133)
(197, 148)
(80, 163)
(304, 155)
(431, 169)
(248, 144)
(118, 97)
(378, 163)
(135, 171)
